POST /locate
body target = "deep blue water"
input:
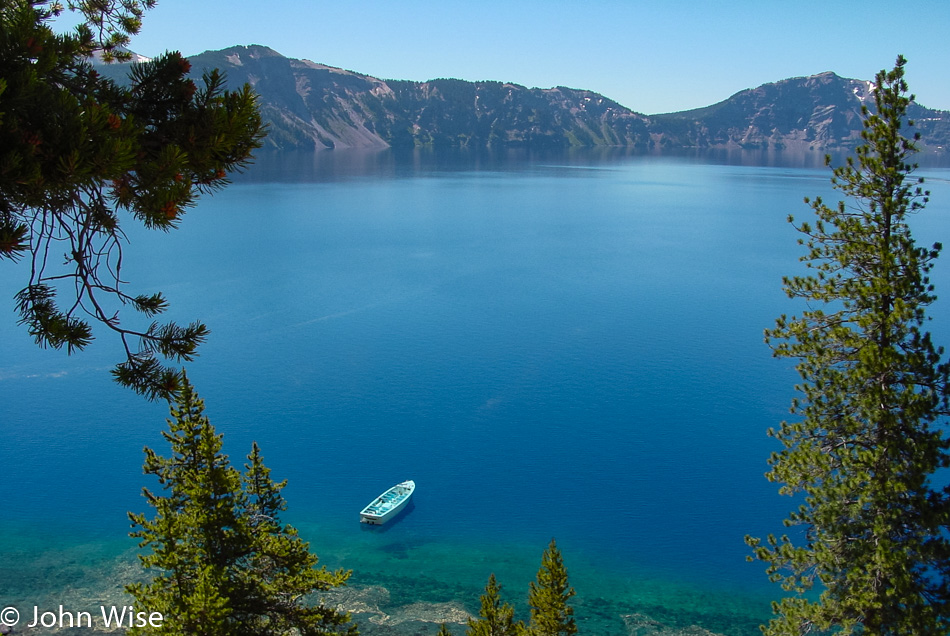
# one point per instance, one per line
(565, 347)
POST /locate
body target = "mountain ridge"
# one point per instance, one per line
(308, 105)
(822, 111)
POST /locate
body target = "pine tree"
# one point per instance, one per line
(548, 597)
(79, 154)
(223, 562)
(497, 618)
(873, 556)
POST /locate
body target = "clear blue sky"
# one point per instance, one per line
(656, 56)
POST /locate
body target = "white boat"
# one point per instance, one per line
(388, 504)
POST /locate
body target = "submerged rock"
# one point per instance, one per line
(371, 609)
(367, 600)
(642, 625)
(436, 613)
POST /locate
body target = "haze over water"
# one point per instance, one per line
(564, 347)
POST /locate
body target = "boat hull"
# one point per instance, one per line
(388, 505)
(378, 520)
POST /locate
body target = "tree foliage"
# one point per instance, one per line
(78, 153)
(223, 562)
(497, 618)
(873, 555)
(551, 615)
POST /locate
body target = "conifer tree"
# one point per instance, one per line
(80, 154)
(223, 562)
(873, 555)
(497, 618)
(551, 615)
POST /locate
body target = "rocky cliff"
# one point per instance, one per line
(309, 105)
(818, 112)
(313, 106)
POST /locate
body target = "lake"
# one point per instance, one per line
(550, 346)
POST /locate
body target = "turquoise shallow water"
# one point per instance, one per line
(564, 347)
